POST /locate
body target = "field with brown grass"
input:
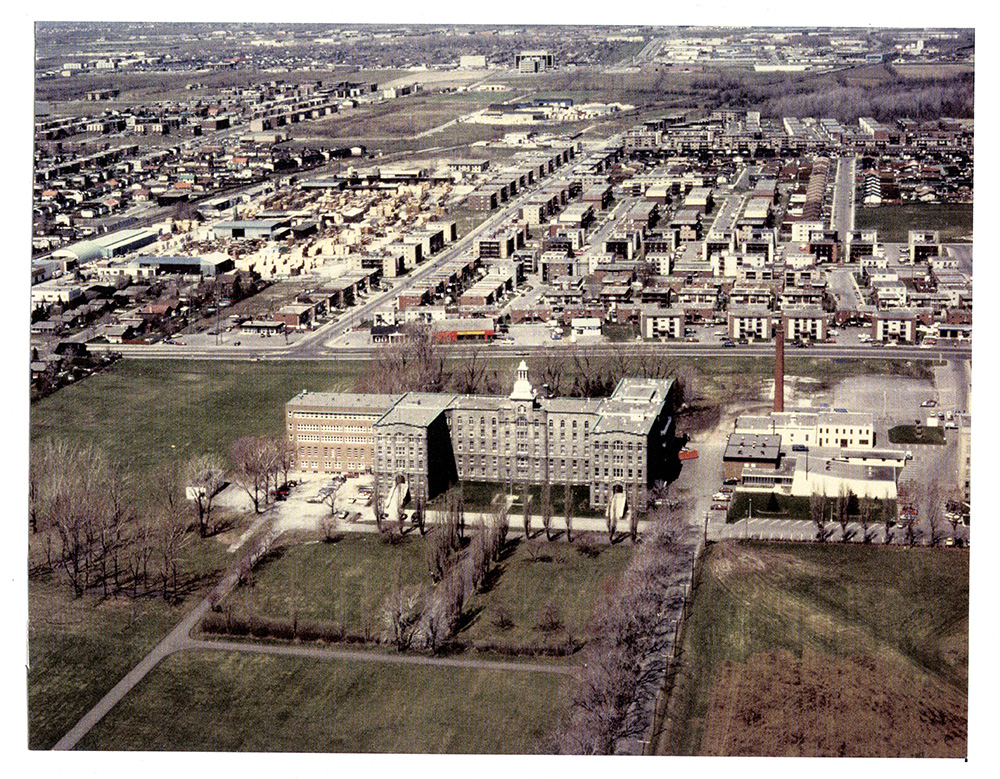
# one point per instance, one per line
(824, 650)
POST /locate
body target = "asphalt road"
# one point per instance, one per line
(842, 216)
(314, 346)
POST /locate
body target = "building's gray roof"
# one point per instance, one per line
(752, 446)
(343, 401)
(418, 409)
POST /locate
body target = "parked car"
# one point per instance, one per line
(720, 507)
(929, 403)
(800, 448)
(733, 481)
(721, 496)
(726, 490)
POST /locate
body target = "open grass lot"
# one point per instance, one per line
(532, 576)
(343, 583)
(824, 649)
(79, 648)
(144, 412)
(222, 701)
(894, 222)
(479, 495)
(907, 434)
(403, 116)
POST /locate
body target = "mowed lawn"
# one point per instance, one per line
(225, 701)
(896, 618)
(894, 222)
(539, 573)
(146, 412)
(78, 649)
(344, 583)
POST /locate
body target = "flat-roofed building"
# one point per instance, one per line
(755, 322)
(536, 61)
(332, 432)
(760, 449)
(895, 325)
(804, 323)
(658, 322)
(614, 444)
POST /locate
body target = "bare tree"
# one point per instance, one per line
(633, 512)
(932, 509)
(953, 498)
(377, 500)
(887, 519)
(171, 537)
(420, 513)
(414, 363)
(526, 510)
(568, 507)
(204, 477)
(841, 506)
(550, 617)
(906, 497)
(284, 457)
(401, 611)
(817, 513)
(547, 510)
(251, 460)
(866, 517)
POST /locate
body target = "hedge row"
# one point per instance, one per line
(283, 629)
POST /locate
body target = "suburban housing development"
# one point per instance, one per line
(504, 388)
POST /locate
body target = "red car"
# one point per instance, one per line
(720, 507)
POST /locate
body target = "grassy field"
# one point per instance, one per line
(79, 648)
(907, 434)
(824, 649)
(479, 496)
(145, 412)
(535, 574)
(342, 583)
(894, 222)
(216, 701)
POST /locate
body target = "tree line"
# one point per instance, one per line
(418, 364)
(89, 525)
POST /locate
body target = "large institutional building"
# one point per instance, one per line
(434, 440)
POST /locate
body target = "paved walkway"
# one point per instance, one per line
(297, 650)
(180, 639)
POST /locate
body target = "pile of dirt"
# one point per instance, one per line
(777, 704)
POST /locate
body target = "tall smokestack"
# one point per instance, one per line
(779, 368)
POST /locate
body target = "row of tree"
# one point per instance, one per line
(426, 617)
(628, 630)
(86, 522)
(916, 500)
(417, 363)
(89, 523)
